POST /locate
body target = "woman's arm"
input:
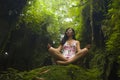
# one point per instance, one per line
(59, 48)
(78, 46)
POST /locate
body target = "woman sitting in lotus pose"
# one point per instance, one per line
(69, 50)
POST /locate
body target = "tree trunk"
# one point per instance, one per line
(91, 21)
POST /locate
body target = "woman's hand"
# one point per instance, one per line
(48, 46)
(88, 46)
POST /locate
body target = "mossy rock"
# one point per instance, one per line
(53, 72)
(57, 72)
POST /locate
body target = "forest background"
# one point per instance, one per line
(27, 26)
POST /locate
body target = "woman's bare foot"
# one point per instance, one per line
(63, 62)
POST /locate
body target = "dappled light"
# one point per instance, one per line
(28, 26)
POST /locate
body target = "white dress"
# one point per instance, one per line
(69, 50)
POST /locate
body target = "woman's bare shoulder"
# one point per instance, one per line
(77, 41)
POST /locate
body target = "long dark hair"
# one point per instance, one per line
(65, 38)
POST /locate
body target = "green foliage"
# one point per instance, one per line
(11, 74)
(42, 21)
(54, 17)
(35, 16)
(118, 61)
(70, 72)
(85, 25)
(113, 43)
(38, 22)
(98, 60)
(56, 72)
(112, 32)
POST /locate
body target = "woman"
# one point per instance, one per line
(69, 50)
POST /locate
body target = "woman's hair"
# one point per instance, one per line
(65, 38)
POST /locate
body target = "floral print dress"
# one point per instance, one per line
(69, 50)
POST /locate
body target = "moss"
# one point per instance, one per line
(11, 74)
(54, 72)
(57, 72)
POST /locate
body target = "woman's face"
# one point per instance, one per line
(69, 32)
